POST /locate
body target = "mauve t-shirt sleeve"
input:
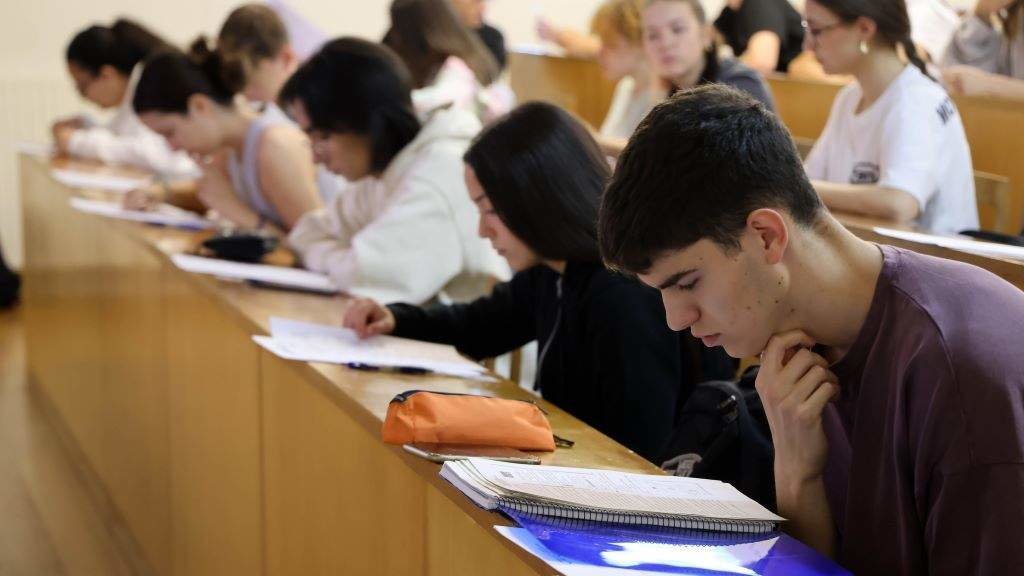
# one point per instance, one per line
(974, 522)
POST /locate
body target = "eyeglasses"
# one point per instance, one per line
(814, 33)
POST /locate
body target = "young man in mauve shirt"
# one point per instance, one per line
(893, 382)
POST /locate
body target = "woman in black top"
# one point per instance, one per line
(765, 34)
(606, 354)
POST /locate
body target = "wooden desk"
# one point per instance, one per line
(994, 127)
(215, 457)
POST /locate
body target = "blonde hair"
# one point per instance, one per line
(620, 18)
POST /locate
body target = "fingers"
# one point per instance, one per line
(367, 318)
(821, 396)
(803, 361)
(774, 354)
(808, 385)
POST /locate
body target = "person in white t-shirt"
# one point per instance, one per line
(894, 146)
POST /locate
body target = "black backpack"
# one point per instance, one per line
(722, 434)
(10, 284)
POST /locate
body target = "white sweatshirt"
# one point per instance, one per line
(456, 85)
(127, 141)
(410, 235)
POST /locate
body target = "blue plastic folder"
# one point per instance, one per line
(620, 548)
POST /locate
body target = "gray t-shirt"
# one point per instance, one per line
(925, 472)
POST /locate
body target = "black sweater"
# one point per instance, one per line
(612, 362)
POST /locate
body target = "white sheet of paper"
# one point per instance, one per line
(280, 275)
(961, 243)
(308, 342)
(163, 214)
(94, 181)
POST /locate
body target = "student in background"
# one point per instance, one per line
(617, 23)
(932, 25)
(255, 39)
(892, 381)
(682, 50)
(764, 34)
(894, 146)
(986, 55)
(105, 63)
(403, 230)
(259, 171)
(472, 14)
(450, 66)
(606, 355)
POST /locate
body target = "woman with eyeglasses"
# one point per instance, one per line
(986, 55)
(894, 147)
(105, 63)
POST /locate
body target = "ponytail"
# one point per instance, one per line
(170, 78)
(914, 56)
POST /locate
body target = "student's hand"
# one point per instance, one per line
(795, 385)
(368, 318)
(62, 134)
(145, 198)
(546, 31)
(965, 80)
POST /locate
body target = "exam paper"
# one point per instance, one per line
(279, 275)
(95, 181)
(958, 243)
(303, 341)
(162, 214)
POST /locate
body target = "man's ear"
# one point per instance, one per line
(771, 232)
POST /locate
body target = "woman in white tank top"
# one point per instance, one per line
(258, 170)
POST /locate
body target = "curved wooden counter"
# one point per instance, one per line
(217, 457)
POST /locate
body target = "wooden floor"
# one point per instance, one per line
(48, 523)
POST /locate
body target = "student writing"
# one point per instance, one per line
(894, 145)
(403, 229)
(105, 63)
(260, 170)
(891, 380)
(605, 354)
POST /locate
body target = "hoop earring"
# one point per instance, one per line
(864, 47)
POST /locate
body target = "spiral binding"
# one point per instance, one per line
(570, 512)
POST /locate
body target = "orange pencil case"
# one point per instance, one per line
(447, 418)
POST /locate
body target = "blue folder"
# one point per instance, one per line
(674, 551)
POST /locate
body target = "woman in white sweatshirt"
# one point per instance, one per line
(105, 64)
(404, 229)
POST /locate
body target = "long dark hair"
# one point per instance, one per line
(426, 32)
(544, 174)
(122, 45)
(709, 74)
(170, 78)
(355, 86)
(891, 18)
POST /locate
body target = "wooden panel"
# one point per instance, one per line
(338, 501)
(575, 84)
(214, 399)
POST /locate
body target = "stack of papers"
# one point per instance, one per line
(962, 243)
(303, 341)
(275, 276)
(609, 496)
(162, 214)
(97, 181)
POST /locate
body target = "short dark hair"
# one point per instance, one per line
(170, 77)
(358, 87)
(122, 45)
(543, 173)
(696, 168)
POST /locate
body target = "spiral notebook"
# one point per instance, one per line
(609, 496)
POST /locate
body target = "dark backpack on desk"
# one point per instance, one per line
(722, 434)
(10, 284)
